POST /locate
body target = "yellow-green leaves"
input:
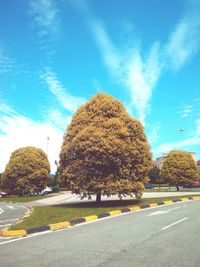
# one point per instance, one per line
(26, 172)
(179, 168)
(104, 150)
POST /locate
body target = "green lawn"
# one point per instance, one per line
(58, 213)
(22, 199)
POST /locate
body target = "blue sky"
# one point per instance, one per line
(56, 54)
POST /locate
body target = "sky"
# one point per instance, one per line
(56, 54)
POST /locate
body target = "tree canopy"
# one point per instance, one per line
(179, 169)
(26, 172)
(104, 151)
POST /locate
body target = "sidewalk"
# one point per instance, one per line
(66, 197)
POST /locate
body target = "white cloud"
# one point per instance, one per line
(67, 101)
(45, 15)
(137, 72)
(18, 131)
(184, 41)
(45, 19)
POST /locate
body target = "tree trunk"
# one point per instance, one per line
(98, 197)
(177, 187)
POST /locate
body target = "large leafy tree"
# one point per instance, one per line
(104, 151)
(179, 169)
(26, 172)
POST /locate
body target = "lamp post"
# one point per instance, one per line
(56, 181)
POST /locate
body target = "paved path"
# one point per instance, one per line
(67, 197)
(166, 236)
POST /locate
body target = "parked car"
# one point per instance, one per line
(3, 194)
(46, 191)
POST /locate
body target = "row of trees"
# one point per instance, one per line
(104, 152)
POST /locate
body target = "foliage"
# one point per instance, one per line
(26, 172)
(154, 175)
(105, 150)
(179, 169)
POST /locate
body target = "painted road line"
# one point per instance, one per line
(9, 220)
(159, 212)
(4, 225)
(10, 207)
(1, 210)
(172, 224)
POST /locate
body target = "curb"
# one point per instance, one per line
(66, 224)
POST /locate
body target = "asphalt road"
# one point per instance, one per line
(164, 236)
(10, 213)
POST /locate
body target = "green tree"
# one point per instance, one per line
(105, 151)
(26, 172)
(179, 169)
(154, 175)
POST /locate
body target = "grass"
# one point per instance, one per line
(22, 199)
(52, 214)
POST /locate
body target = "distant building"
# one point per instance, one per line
(159, 161)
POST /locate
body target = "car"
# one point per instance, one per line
(46, 190)
(3, 194)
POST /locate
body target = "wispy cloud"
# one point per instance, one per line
(67, 101)
(17, 130)
(45, 15)
(140, 72)
(184, 41)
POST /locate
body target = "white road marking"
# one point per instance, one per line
(172, 224)
(159, 212)
(9, 220)
(4, 225)
(10, 207)
(1, 210)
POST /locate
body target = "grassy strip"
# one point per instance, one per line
(52, 214)
(23, 199)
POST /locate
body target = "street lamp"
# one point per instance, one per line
(56, 181)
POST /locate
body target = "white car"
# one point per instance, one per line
(46, 191)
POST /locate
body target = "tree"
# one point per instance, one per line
(105, 151)
(26, 172)
(179, 169)
(154, 175)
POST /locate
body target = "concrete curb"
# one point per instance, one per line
(66, 224)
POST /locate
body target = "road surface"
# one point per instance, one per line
(166, 236)
(10, 213)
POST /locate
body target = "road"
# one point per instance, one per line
(10, 213)
(159, 237)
